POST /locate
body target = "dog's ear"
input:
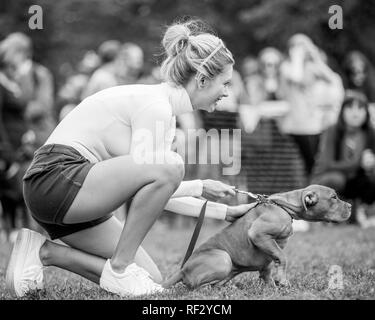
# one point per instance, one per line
(309, 199)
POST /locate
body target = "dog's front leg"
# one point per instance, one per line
(265, 274)
(262, 236)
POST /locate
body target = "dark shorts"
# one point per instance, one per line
(50, 185)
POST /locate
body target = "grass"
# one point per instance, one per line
(310, 256)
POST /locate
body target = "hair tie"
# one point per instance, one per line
(200, 68)
(181, 45)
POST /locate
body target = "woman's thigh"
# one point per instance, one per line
(112, 182)
(101, 240)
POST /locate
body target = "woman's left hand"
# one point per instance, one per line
(235, 212)
(214, 190)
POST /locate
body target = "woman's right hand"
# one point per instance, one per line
(235, 212)
(215, 190)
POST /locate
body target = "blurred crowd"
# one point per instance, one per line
(301, 121)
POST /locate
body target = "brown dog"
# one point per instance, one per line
(256, 239)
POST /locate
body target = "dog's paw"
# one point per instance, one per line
(267, 281)
(282, 282)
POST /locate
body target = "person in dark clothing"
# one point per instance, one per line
(12, 127)
(26, 100)
(346, 157)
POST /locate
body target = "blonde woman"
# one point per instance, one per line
(96, 160)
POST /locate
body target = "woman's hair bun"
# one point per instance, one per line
(176, 39)
(187, 44)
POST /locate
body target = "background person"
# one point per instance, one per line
(359, 74)
(107, 75)
(346, 158)
(131, 59)
(26, 101)
(264, 148)
(300, 73)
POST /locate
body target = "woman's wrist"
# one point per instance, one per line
(193, 188)
(199, 187)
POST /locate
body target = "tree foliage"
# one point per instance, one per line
(73, 26)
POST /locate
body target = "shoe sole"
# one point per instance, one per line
(17, 259)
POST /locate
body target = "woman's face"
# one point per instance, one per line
(12, 63)
(354, 115)
(213, 90)
(270, 64)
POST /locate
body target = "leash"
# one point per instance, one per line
(195, 235)
(262, 198)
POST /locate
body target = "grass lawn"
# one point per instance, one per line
(310, 256)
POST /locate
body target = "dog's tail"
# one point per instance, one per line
(175, 278)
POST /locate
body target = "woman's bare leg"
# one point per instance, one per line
(86, 265)
(89, 250)
(112, 182)
(137, 224)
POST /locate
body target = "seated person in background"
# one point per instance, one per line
(346, 157)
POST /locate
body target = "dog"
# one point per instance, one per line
(256, 240)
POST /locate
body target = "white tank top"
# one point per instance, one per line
(103, 125)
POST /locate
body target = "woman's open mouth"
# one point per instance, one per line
(217, 100)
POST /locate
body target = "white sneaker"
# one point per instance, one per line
(25, 270)
(133, 281)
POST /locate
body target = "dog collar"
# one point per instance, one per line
(291, 209)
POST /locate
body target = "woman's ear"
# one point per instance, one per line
(201, 81)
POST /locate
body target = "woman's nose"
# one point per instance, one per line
(226, 92)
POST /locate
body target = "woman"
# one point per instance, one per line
(346, 159)
(112, 148)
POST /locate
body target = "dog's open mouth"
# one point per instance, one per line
(337, 221)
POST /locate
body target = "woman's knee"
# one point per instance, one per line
(173, 169)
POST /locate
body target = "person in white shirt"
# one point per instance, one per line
(112, 148)
(314, 93)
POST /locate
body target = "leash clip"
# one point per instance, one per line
(261, 198)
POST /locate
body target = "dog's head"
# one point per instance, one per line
(322, 204)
